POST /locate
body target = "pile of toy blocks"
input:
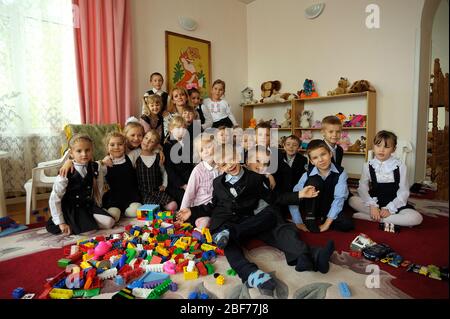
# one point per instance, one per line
(142, 259)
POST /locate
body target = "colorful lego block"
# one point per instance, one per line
(147, 211)
(188, 275)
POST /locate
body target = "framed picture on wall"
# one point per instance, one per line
(188, 62)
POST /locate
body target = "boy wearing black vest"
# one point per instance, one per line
(330, 181)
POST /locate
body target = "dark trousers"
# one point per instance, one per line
(223, 122)
(268, 227)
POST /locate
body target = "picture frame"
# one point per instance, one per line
(188, 62)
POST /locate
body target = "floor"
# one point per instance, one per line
(17, 212)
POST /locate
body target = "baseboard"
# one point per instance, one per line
(22, 199)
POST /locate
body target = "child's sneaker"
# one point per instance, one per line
(221, 238)
(262, 280)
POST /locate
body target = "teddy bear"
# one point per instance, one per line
(287, 122)
(305, 118)
(270, 92)
(252, 123)
(356, 147)
(342, 88)
(247, 96)
(309, 90)
(344, 142)
(306, 138)
(361, 86)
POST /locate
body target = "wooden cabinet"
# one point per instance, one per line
(355, 103)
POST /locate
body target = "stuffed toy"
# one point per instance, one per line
(247, 96)
(317, 124)
(305, 118)
(355, 120)
(344, 142)
(356, 147)
(309, 90)
(341, 116)
(342, 88)
(306, 138)
(273, 123)
(252, 123)
(287, 122)
(361, 86)
(362, 147)
(270, 92)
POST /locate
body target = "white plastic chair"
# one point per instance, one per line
(402, 151)
(40, 179)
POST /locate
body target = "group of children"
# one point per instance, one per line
(235, 182)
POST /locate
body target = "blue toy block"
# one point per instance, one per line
(344, 290)
(18, 293)
(193, 295)
(204, 296)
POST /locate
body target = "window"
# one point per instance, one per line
(38, 84)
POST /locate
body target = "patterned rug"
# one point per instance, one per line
(357, 273)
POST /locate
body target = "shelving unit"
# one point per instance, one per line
(355, 103)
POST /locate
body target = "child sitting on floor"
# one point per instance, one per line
(75, 200)
(383, 187)
(331, 182)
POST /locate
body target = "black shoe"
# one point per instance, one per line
(321, 257)
(304, 263)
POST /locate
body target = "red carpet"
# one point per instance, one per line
(426, 244)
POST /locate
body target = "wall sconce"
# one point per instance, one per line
(188, 24)
(314, 10)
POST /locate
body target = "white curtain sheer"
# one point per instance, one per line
(38, 84)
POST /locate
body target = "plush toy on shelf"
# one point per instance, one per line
(252, 123)
(270, 92)
(306, 137)
(341, 117)
(287, 122)
(356, 147)
(305, 118)
(247, 96)
(342, 88)
(363, 145)
(361, 86)
(273, 123)
(355, 120)
(317, 124)
(344, 142)
(309, 90)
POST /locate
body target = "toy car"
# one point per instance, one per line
(360, 242)
(434, 272)
(423, 270)
(396, 261)
(405, 263)
(376, 252)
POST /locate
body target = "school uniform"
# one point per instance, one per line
(385, 185)
(178, 169)
(333, 191)
(289, 172)
(337, 153)
(164, 97)
(72, 200)
(154, 124)
(123, 186)
(220, 112)
(204, 116)
(150, 177)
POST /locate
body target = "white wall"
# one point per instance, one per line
(284, 45)
(439, 38)
(221, 22)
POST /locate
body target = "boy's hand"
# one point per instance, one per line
(384, 213)
(308, 192)
(162, 188)
(107, 161)
(65, 229)
(271, 181)
(375, 213)
(326, 225)
(66, 168)
(302, 227)
(183, 215)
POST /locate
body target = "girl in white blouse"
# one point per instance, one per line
(383, 187)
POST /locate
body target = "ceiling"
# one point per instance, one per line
(246, 1)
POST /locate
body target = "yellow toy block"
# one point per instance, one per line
(131, 245)
(188, 275)
(180, 244)
(57, 293)
(85, 265)
(220, 280)
(186, 240)
(136, 233)
(162, 251)
(206, 247)
(87, 257)
(205, 231)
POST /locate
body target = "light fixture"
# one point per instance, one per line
(314, 10)
(188, 24)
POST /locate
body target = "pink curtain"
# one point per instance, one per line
(103, 53)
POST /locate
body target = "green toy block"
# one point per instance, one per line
(63, 262)
(78, 293)
(210, 268)
(178, 251)
(91, 293)
(131, 253)
(231, 272)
